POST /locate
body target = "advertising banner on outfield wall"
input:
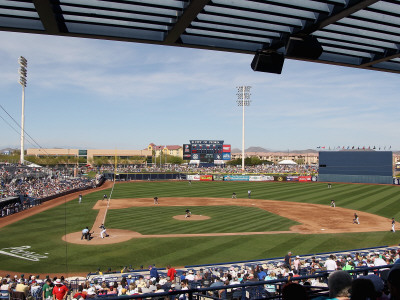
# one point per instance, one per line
(292, 178)
(304, 178)
(218, 177)
(280, 178)
(236, 178)
(261, 178)
(206, 177)
(193, 177)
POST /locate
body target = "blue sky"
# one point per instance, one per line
(87, 94)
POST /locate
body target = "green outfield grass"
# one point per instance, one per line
(43, 231)
(222, 219)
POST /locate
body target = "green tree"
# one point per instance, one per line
(176, 160)
(255, 160)
(234, 162)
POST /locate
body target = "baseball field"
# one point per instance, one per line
(279, 217)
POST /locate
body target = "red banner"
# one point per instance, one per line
(206, 177)
(304, 178)
(226, 148)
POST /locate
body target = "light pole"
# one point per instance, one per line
(22, 81)
(165, 155)
(243, 93)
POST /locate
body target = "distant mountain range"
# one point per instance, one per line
(233, 150)
(261, 149)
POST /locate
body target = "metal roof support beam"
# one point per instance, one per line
(337, 14)
(381, 58)
(189, 14)
(47, 16)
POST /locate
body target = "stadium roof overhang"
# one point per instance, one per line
(355, 33)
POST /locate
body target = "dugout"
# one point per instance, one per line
(356, 166)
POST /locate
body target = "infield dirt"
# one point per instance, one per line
(313, 218)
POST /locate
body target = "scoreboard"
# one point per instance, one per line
(206, 151)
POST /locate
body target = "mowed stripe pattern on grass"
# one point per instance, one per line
(377, 199)
(159, 220)
(43, 232)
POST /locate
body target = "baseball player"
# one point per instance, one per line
(393, 224)
(234, 196)
(105, 197)
(355, 220)
(333, 204)
(188, 213)
(103, 231)
(156, 200)
(249, 194)
(80, 199)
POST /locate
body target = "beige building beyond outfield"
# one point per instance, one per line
(89, 154)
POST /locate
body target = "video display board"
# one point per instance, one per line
(356, 166)
(356, 162)
(207, 151)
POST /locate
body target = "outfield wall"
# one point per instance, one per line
(207, 177)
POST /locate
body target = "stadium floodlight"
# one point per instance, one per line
(23, 72)
(165, 155)
(243, 94)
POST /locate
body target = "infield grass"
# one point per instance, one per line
(43, 231)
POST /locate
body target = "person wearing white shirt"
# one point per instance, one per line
(330, 264)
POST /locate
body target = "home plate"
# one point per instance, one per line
(322, 229)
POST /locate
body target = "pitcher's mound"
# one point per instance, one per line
(191, 218)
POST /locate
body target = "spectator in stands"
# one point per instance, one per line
(378, 260)
(288, 260)
(80, 293)
(190, 276)
(154, 273)
(394, 283)
(184, 287)
(140, 283)
(339, 284)
(296, 263)
(362, 289)
(271, 288)
(5, 286)
(349, 265)
(171, 273)
(22, 287)
(59, 290)
(261, 274)
(330, 263)
(294, 291)
(217, 282)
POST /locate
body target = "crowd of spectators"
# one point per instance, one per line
(335, 280)
(287, 270)
(33, 287)
(224, 169)
(25, 187)
(39, 183)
